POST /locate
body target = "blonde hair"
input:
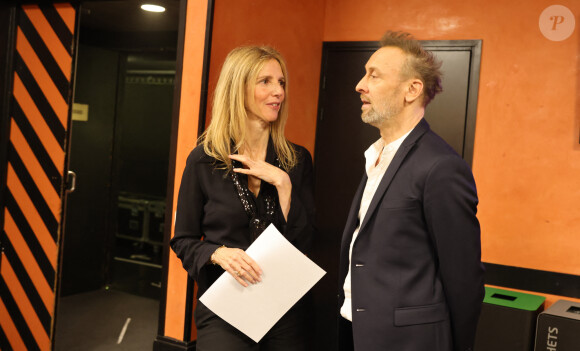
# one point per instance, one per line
(226, 132)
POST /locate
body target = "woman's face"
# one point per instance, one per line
(268, 93)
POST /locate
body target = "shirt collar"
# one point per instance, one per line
(379, 148)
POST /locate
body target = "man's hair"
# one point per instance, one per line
(420, 63)
(226, 132)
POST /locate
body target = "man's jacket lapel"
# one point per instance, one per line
(398, 159)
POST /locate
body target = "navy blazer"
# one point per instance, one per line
(417, 277)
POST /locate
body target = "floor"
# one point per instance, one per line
(106, 320)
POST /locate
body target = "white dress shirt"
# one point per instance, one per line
(375, 174)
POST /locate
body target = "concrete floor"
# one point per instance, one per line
(94, 321)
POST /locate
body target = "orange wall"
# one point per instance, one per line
(295, 29)
(527, 154)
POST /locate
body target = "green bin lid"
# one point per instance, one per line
(513, 299)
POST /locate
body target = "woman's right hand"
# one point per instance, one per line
(236, 262)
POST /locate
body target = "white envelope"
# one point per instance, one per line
(288, 274)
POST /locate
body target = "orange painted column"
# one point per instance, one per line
(191, 85)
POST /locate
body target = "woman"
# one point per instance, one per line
(243, 176)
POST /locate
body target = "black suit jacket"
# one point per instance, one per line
(416, 272)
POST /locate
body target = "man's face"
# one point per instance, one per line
(381, 88)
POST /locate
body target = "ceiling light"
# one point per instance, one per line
(153, 8)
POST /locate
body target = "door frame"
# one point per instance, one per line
(7, 41)
(474, 46)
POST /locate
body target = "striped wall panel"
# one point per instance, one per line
(36, 159)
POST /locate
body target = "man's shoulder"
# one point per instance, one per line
(436, 145)
(431, 150)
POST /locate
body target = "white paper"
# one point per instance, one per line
(287, 274)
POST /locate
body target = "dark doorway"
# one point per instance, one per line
(119, 149)
(342, 138)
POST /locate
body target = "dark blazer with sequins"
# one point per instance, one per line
(210, 214)
(416, 272)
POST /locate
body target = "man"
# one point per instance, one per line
(411, 254)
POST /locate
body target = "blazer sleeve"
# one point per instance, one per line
(450, 206)
(299, 229)
(187, 242)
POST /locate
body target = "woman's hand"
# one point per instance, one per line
(268, 173)
(262, 170)
(236, 262)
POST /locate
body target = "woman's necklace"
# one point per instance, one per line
(258, 221)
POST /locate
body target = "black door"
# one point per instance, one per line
(342, 138)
